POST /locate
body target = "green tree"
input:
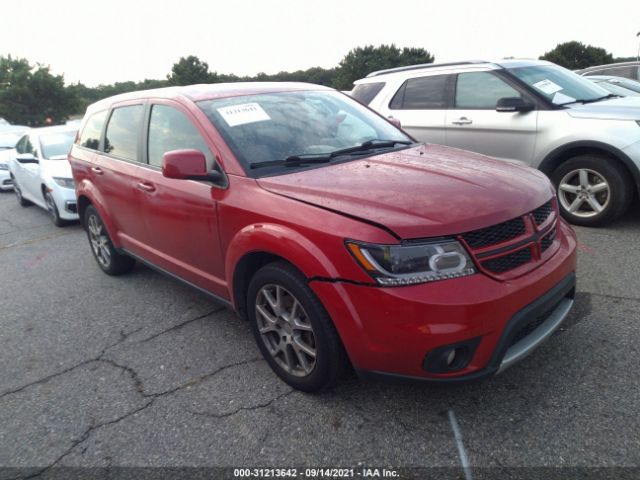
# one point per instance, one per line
(29, 95)
(190, 70)
(363, 60)
(575, 55)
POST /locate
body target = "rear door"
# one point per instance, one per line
(420, 104)
(180, 216)
(474, 124)
(116, 172)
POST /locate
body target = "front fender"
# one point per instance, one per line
(283, 242)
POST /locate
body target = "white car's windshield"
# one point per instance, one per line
(559, 85)
(286, 129)
(57, 145)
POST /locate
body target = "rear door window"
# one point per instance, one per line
(90, 137)
(121, 138)
(366, 92)
(170, 129)
(422, 93)
(481, 90)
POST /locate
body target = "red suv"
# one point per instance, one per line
(340, 239)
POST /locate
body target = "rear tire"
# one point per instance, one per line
(109, 260)
(293, 330)
(593, 190)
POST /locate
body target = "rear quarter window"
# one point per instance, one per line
(422, 93)
(366, 92)
(90, 136)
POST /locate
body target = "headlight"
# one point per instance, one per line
(64, 182)
(409, 264)
(4, 166)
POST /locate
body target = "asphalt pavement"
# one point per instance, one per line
(141, 371)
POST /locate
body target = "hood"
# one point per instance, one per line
(627, 108)
(56, 168)
(425, 191)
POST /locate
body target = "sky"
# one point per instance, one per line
(118, 40)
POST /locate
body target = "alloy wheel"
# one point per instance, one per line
(286, 330)
(99, 241)
(584, 193)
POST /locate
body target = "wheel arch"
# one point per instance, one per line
(573, 149)
(86, 196)
(256, 245)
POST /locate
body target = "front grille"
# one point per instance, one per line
(495, 234)
(508, 262)
(8, 181)
(548, 239)
(540, 214)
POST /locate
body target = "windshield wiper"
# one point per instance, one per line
(309, 158)
(590, 100)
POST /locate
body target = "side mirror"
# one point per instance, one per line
(26, 158)
(395, 121)
(514, 104)
(188, 164)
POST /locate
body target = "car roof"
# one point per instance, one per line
(634, 63)
(211, 91)
(496, 64)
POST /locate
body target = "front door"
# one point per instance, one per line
(180, 215)
(474, 124)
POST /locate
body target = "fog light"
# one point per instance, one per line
(450, 358)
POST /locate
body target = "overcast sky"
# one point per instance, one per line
(117, 40)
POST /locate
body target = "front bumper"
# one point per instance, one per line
(390, 331)
(66, 202)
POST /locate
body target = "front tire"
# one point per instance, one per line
(592, 190)
(109, 260)
(23, 202)
(52, 209)
(293, 330)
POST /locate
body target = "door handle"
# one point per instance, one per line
(147, 187)
(462, 121)
(97, 170)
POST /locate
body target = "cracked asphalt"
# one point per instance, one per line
(142, 371)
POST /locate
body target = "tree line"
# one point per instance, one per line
(32, 95)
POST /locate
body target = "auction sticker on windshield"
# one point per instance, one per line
(242, 114)
(547, 86)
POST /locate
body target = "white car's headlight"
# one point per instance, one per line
(412, 263)
(64, 182)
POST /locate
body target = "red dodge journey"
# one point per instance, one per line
(339, 238)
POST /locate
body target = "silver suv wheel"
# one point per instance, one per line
(584, 192)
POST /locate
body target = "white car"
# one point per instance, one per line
(41, 173)
(8, 139)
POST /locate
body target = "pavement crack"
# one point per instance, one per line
(85, 436)
(202, 378)
(613, 297)
(34, 240)
(48, 378)
(242, 409)
(183, 324)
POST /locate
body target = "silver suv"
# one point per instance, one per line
(532, 112)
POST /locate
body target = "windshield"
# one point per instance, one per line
(57, 145)
(558, 84)
(272, 128)
(9, 140)
(617, 89)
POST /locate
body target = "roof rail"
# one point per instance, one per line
(422, 65)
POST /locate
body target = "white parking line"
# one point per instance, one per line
(461, 452)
